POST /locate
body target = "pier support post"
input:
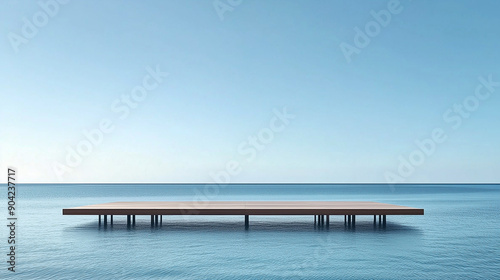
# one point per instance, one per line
(327, 220)
(314, 219)
(246, 221)
(99, 220)
(133, 220)
(374, 219)
(353, 220)
(111, 222)
(105, 220)
(384, 220)
(161, 220)
(345, 220)
(152, 220)
(349, 220)
(156, 220)
(128, 220)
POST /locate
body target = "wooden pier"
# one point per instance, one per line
(320, 209)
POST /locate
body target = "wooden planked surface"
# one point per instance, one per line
(244, 208)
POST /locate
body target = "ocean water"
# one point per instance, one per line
(457, 238)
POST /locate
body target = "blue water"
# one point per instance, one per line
(457, 238)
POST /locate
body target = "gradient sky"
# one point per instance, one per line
(353, 121)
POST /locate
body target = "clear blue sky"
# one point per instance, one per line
(354, 121)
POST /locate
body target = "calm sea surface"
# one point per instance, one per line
(457, 238)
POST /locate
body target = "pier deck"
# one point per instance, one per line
(320, 209)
